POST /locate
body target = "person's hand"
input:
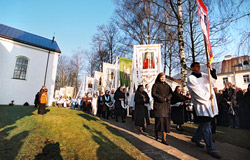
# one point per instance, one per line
(121, 99)
(211, 97)
(209, 66)
(182, 103)
(165, 99)
(228, 102)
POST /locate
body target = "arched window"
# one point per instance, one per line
(20, 68)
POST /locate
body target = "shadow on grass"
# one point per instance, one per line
(107, 149)
(9, 148)
(50, 151)
(88, 117)
(10, 114)
(146, 148)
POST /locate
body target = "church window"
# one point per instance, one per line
(20, 68)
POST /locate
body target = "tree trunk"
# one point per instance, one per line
(181, 47)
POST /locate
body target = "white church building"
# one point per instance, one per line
(27, 62)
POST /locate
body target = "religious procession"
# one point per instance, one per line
(163, 80)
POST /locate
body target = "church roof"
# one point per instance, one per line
(28, 38)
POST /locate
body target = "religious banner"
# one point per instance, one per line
(125, 71)
(203, 17)
(98, 81)
(89, 85)
(69, 91)
(146, 64)
(109, 76)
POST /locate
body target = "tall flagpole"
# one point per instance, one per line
(209, 74)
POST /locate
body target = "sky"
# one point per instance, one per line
(74, 22)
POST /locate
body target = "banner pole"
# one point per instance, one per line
(209, 79)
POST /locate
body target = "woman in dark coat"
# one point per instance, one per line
(141, 111)
(162, 94)
(119, 111)
(100, 102)
(177, 109)
(105, 108)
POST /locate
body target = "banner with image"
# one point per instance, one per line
(98, 81)
(125, 71)
(146, 64)
(89, 85)
(109, 76)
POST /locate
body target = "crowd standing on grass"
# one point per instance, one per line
(231, 106)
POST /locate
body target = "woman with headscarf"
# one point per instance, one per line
(162, 94)
(43, 101)
(106, 105)
(177, 109)
(119, 97)
(141, 111)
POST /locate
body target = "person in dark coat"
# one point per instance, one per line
(229, 94)
(177, 109)
(141, 111)
(105, 108)
(162, 94)
(100, 103)
(88, 103)
(37, 99)
(119, 111)
(247, 107)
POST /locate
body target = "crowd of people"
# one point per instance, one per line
(229, 107)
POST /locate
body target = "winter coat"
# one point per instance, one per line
(160, 92)
(141, 110)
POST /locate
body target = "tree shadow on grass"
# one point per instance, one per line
(9, 148)
(10, 114)
(88, 117)
(107, 149)
(50, 151)
(146, 148)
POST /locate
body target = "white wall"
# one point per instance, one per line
(22, 91)
(235, 79)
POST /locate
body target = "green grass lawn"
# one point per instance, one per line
(60, 134)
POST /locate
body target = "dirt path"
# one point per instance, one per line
(180, 145)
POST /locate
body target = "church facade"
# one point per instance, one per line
(27, 62)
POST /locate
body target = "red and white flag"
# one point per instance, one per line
(203, 17)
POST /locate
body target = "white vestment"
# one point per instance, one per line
(200, 94)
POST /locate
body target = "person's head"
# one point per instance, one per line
(228, 85)
(140, 88)
(195, 67)
(221, 91)
(43, 87)
(113, 91)
(101, 93)
(46, 90)
(148, 55)
(178, 89)
(161, 77)
(95, 95)
(146, 86)
(89, 95)
(107, 92)
(125, 90)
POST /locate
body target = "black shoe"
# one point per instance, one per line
(198, 144)
(165, 142)
(116, 120)
(123, 121)
(215, 155)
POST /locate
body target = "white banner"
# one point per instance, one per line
(98, 81)
(109, 75)
(146, 64)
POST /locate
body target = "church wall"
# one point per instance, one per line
(22, 91)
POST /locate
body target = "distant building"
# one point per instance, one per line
(27, 62)
(232, 69)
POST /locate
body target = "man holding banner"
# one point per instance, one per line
(199, 85)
